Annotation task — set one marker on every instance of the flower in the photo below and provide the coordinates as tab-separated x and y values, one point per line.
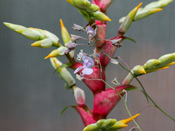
79	96
74	38
78	27
88	63
91	33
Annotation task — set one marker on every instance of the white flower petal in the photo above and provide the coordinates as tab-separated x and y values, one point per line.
78	69
87	71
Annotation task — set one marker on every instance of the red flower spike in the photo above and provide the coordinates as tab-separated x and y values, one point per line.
86	114
94	85
109	49
101	33
103	4
105	101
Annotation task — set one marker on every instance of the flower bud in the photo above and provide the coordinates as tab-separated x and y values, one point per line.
92	127
138	70
27	32
143	13
46	38
98	15
82	4
93	8
106	123
63	73
45	43
167	59
65	34
52	37
149	9
57	52
122	123
128	20
151	64
158	4
79	96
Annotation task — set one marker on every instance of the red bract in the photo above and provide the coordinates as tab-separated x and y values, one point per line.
86	114
103	4
105	101
93	80
95	85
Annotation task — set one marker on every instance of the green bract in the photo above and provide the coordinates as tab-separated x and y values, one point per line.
63	73
44	38
109	124
89	11
149	9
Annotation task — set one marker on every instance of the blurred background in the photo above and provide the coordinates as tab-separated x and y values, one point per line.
32	96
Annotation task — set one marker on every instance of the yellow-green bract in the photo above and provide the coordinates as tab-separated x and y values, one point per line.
43	38
63	72
149	9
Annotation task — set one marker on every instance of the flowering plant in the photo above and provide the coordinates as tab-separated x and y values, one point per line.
90	68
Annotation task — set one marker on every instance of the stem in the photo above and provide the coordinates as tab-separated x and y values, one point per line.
158	107
143	89
71	60
148	97
127	109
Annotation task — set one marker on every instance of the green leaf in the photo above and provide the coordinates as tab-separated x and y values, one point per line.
128	38
63	66
65	108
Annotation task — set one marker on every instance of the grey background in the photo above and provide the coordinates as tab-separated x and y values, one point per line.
31	96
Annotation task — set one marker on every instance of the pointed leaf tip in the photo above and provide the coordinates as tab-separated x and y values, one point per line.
130	119
47	57
6	23
108	19
139	5
62	24
159	9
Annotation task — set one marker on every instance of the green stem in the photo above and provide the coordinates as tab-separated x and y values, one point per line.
158	107
143	89
127	109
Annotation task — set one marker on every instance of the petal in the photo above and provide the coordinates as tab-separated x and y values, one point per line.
87	71
78	69
88	59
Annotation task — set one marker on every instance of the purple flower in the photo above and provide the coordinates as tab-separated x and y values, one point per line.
88	63
74	38
78	27
70	45
90	31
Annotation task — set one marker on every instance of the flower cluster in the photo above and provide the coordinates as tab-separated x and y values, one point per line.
90	68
